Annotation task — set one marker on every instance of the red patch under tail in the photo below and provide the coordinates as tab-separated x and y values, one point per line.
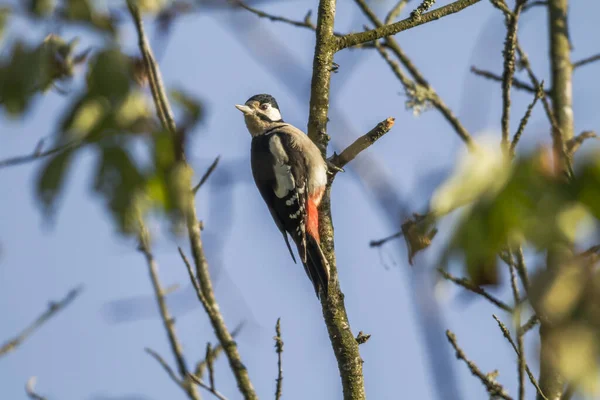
312	220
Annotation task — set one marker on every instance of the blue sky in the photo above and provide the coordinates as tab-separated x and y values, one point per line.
84	354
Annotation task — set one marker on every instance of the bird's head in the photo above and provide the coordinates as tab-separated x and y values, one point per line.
261	112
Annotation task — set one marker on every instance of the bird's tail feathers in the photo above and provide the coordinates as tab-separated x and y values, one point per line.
316	266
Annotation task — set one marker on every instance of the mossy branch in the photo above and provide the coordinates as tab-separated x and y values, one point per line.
408	23
344	345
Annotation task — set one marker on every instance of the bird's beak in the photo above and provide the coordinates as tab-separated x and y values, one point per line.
245	109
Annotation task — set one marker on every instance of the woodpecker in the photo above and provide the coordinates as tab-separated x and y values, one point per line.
290	175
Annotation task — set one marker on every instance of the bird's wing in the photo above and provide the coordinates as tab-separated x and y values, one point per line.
280	175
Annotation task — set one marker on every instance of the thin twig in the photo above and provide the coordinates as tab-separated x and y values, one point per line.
402	77
30	389
215	350
509	69
475	289
492	387
203	385
522	268
165	114
585	61
53	309
559	145
210	365
306	23
408	23
362	143
516	83
206	175
432	96
193	278
530	324
381	242
525	120
521	364
574	143
279	351
167	320
38	153
521	355
395	11
172	374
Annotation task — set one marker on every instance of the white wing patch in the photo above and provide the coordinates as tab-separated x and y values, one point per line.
283	172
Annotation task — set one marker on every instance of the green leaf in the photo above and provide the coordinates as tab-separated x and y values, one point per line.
41	8
110	75
51	180
83	11
121	184
84	117
19	78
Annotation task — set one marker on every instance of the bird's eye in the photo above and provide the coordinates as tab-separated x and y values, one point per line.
264	106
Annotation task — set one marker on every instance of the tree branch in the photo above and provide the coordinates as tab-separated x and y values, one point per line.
334	311
279	351
465	283
551	380
574	143
203	277
561	90
516	83
408	84
38	153
509	69
216	350
206	175
521	356
561	156
168	321
53	308
525	120
586	61
203	385
306	23
362	143
165	365
492	387
408	23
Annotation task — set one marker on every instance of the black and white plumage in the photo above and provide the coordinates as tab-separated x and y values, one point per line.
291	175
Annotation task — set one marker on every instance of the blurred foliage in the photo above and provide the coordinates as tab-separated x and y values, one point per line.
506	204
568	298
28	70
528	203
111	115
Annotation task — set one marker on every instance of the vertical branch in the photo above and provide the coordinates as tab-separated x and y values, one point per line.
509	69
278	350
325	47
551	381
203	283
344	345
562	70
168	321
